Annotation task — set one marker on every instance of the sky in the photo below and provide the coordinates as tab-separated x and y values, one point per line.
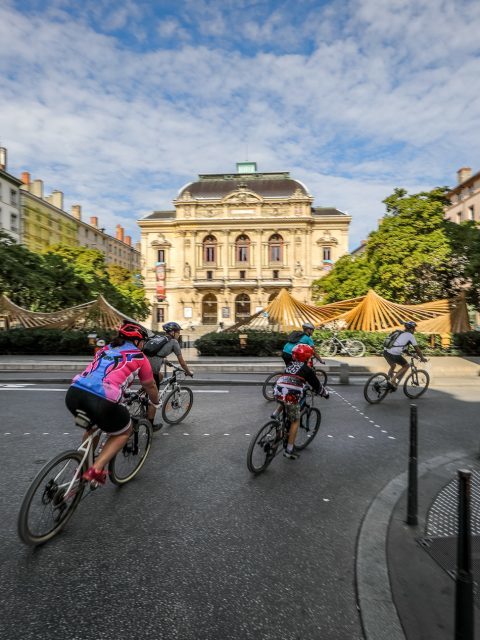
120	104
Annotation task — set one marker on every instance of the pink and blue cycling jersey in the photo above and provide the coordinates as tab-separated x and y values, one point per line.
113	370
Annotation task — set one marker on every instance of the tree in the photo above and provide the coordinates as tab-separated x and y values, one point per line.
414	256
349	278
66	276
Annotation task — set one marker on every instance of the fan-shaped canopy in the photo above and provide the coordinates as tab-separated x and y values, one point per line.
97	313
365	313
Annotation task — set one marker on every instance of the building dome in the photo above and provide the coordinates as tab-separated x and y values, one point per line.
266	185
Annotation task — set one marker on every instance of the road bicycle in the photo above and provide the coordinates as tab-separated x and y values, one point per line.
272	437
378	385
271	380
175	399
58	488
331	346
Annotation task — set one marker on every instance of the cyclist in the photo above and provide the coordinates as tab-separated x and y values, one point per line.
167	344
400	341
300	337
98	391
290	390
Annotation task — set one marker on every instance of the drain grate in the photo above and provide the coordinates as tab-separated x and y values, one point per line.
441	529
442	517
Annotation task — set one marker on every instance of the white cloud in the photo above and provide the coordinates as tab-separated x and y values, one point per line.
384	95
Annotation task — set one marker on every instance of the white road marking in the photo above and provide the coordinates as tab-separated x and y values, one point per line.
326	499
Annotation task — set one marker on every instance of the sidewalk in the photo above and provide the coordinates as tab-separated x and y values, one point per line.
405	574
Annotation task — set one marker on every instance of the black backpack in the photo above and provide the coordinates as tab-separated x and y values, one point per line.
295	336
390	340
153	346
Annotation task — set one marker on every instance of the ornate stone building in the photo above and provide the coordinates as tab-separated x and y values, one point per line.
232	242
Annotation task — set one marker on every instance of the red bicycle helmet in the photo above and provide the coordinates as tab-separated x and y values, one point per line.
132	331
302	352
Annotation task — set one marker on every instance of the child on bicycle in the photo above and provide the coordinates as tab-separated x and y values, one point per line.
400	341
98	392
290	389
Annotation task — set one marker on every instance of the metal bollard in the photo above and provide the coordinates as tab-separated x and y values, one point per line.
464	620
412	504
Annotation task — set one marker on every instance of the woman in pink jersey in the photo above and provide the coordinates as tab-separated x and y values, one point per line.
98	391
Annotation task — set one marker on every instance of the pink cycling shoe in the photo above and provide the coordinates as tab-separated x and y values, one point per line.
94	475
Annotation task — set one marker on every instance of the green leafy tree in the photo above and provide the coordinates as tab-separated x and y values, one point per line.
415	255
349	278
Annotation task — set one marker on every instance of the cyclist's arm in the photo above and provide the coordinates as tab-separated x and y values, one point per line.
184	365
318	357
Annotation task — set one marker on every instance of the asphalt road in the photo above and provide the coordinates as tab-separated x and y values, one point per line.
195	548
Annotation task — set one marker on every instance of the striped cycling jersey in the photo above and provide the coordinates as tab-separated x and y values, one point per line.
113	370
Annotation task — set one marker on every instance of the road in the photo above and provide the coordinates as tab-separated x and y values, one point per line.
196	548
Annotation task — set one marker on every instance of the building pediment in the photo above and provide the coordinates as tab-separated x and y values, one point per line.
327	238
242	195
160	241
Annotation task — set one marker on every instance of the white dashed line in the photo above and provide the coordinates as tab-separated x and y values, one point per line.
391	438
329	436
372	437
206	434
326	499
351	436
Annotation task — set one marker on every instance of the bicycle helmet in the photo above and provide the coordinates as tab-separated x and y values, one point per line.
302	352
171	326
132	331
308	325
410	324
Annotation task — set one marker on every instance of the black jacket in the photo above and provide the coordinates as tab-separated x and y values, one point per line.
302	370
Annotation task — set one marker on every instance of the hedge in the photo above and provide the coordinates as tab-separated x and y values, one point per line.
48	341
266	343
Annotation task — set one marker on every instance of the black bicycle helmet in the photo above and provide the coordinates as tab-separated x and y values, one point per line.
171	326
409	324
308	325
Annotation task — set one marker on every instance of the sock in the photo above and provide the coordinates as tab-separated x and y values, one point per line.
289	448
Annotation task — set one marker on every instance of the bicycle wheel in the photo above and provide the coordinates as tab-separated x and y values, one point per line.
263	447
416	383
308	427
322	376
376	388
328	348
128	462
355	348
177	405
51	499
269	385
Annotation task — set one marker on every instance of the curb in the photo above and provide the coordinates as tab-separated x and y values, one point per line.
374	595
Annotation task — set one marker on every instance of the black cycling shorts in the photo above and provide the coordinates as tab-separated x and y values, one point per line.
392	359
108	416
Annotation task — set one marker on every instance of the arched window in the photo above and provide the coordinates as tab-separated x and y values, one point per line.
242	307
242	248
209	309
210	249
275	248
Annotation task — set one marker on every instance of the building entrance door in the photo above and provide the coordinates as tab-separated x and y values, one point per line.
209	309
242	307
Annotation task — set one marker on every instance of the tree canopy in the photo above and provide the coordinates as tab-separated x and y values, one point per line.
414	256
65	276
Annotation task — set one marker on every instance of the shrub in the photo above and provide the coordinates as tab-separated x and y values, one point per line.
468	343
259	343
48	341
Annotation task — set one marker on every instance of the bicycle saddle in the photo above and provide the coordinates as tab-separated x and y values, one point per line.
82	420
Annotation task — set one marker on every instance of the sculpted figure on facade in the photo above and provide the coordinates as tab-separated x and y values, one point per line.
298	269
187	271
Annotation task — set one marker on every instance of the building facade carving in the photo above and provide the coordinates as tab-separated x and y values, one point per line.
232	242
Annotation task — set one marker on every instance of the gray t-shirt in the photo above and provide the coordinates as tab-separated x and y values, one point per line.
172	346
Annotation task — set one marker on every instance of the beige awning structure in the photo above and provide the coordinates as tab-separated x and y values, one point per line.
97	313
365	313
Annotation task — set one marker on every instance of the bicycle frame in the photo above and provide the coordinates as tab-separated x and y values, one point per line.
86	449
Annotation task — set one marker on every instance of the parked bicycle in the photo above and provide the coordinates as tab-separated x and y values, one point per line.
271	380
416	383
272	437
333	345
58	488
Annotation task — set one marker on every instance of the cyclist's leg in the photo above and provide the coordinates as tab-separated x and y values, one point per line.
404	366
293	413
115	442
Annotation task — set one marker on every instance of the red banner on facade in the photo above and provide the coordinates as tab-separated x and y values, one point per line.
160	271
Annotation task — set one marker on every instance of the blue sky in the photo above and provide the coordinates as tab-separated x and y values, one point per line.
119	104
